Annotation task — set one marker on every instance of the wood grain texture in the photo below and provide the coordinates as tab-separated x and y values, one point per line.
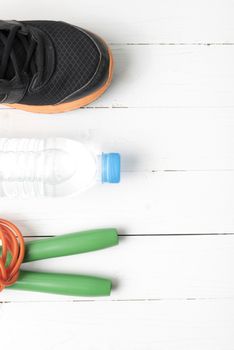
155	268
121	21
170	76
169	325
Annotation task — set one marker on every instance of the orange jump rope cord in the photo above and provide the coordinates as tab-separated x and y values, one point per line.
13	243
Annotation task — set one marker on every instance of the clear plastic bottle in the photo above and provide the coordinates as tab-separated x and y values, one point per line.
52	167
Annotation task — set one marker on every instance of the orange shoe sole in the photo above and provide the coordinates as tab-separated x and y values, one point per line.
68	106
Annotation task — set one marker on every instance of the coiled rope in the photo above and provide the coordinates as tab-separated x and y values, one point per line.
13	244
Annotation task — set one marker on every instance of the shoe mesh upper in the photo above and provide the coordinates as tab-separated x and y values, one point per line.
77	59
21	57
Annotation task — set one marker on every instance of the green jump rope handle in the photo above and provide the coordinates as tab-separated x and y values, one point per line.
69	244
58	283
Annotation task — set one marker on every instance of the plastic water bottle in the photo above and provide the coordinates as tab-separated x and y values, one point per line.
52	167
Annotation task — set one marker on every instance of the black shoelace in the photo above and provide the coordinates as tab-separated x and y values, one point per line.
33	60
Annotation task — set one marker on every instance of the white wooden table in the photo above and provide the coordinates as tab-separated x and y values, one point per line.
170	112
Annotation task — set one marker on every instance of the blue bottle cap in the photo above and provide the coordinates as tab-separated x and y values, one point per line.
111	167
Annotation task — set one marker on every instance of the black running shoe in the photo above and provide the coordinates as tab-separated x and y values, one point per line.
51	67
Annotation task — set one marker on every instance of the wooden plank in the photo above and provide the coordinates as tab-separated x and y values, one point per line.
156	203
145	268
148	139
171	76
121	21
126	325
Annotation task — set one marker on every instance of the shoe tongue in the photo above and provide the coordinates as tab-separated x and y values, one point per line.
20	55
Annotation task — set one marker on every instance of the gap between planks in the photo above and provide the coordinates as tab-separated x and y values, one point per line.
150	300
150	235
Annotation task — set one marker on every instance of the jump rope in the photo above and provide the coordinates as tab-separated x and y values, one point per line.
15	251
